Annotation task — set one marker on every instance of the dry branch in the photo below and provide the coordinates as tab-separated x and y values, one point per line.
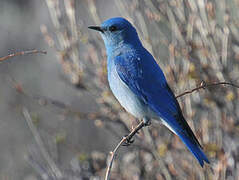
204	85
123	140
21	53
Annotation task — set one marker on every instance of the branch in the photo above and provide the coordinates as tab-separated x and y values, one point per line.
203	85
21	53
113	153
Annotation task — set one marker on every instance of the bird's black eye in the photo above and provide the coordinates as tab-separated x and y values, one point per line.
112	28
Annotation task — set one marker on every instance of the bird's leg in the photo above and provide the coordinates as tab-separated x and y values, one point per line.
147	121
132	128
128	140
133	123
129	137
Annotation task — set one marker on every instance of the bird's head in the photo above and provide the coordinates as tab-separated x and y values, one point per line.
117	31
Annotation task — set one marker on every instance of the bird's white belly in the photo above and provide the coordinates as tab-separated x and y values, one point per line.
126	97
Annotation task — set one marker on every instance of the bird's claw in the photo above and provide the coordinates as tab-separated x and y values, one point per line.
128	141
148	123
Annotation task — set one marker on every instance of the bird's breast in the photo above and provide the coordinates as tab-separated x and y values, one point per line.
132	103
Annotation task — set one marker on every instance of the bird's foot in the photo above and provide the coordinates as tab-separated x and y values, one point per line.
147	123
128	141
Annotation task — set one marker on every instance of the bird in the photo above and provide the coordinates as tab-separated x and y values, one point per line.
139	84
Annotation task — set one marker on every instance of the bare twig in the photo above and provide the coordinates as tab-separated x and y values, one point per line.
21	53
113	153
203	85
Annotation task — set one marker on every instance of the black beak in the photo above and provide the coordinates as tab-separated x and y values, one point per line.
97	28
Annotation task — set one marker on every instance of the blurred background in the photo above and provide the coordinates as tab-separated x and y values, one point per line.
58	118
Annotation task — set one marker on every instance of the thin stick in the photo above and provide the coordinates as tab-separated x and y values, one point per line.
21	53
203	85
113	153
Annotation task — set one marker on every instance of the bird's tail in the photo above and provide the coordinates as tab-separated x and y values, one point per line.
195	148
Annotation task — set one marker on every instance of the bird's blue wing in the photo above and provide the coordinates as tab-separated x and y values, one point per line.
145	78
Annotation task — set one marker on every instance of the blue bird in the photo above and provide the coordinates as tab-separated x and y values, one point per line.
139	84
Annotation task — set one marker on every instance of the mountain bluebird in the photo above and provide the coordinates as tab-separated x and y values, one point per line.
139	84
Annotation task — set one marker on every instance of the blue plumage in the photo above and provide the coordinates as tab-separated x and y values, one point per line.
139	84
